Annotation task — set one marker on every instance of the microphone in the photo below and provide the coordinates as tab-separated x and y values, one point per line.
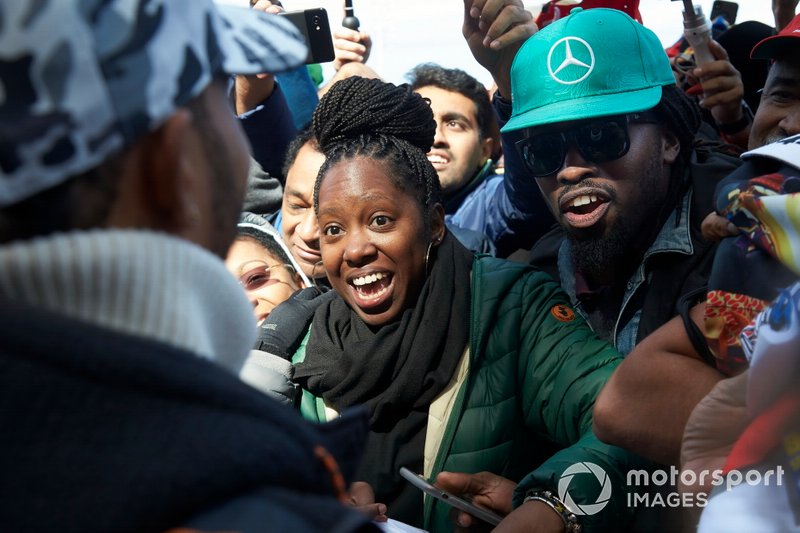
697	32
350	21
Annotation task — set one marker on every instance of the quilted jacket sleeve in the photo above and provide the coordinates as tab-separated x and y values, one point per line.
563	366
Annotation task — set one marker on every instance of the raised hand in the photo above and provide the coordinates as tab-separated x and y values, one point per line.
495	31
351	46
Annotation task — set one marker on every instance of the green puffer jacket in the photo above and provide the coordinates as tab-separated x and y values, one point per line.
525	407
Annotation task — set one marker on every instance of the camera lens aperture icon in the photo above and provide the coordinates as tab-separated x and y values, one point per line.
583	469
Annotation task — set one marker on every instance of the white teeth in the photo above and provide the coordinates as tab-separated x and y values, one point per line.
374	295
582	200
366	280
437	159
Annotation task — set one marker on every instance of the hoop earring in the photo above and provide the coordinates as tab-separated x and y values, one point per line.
427	257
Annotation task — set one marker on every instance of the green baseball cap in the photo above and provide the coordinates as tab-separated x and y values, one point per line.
592	63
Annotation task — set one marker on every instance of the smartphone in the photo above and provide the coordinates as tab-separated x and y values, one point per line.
313	24
450	499
726	10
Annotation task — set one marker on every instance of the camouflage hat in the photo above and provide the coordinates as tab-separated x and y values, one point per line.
81	79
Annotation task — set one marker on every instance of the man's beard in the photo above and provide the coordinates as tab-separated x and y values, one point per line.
596	256
617	252
773	138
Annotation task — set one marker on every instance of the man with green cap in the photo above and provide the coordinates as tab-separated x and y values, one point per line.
598	125
599	128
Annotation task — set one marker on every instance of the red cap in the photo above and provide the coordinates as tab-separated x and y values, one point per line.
772	46
557	9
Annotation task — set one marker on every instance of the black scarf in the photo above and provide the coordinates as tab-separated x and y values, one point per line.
396	371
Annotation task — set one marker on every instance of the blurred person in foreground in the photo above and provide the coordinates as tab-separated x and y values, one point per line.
123	173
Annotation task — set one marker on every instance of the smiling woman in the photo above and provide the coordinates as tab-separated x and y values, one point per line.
462	361
265	269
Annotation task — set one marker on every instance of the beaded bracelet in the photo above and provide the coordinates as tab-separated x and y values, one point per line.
569	518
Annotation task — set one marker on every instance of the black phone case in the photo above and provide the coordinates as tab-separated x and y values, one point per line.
727	10
313	24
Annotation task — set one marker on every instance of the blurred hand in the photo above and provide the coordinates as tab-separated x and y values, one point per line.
268	6
716	228
351	46
713	428
783	11
483	489
251	91
495	31
362	497
495	493
282	331
723	89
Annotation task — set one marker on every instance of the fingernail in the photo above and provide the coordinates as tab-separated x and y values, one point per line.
487	41
474	12
732	227
462	520
482	26
381	509
494	45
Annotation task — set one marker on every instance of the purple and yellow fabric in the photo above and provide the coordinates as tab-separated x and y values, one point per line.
762	199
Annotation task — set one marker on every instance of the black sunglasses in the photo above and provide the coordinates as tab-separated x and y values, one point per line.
598	141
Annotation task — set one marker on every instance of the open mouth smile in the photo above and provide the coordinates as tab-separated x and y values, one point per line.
371	290
438	160
585	207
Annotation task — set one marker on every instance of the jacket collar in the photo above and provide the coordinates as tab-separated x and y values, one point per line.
673	237
452	203
143	283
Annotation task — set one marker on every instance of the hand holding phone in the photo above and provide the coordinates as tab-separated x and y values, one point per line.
450	499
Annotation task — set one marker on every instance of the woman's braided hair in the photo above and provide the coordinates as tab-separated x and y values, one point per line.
360	117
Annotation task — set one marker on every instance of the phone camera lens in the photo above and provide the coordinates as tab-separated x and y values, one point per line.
316	21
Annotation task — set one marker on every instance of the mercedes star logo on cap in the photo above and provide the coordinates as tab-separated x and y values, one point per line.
564	46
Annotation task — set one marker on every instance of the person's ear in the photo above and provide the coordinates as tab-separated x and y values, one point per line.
171	177
149	186
437	224
671	146
487	147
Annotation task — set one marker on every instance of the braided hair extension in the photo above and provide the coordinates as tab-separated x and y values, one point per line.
360	117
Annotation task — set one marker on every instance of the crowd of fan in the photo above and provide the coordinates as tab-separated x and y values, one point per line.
233	298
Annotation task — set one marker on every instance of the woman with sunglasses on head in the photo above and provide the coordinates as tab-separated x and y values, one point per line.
465	363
